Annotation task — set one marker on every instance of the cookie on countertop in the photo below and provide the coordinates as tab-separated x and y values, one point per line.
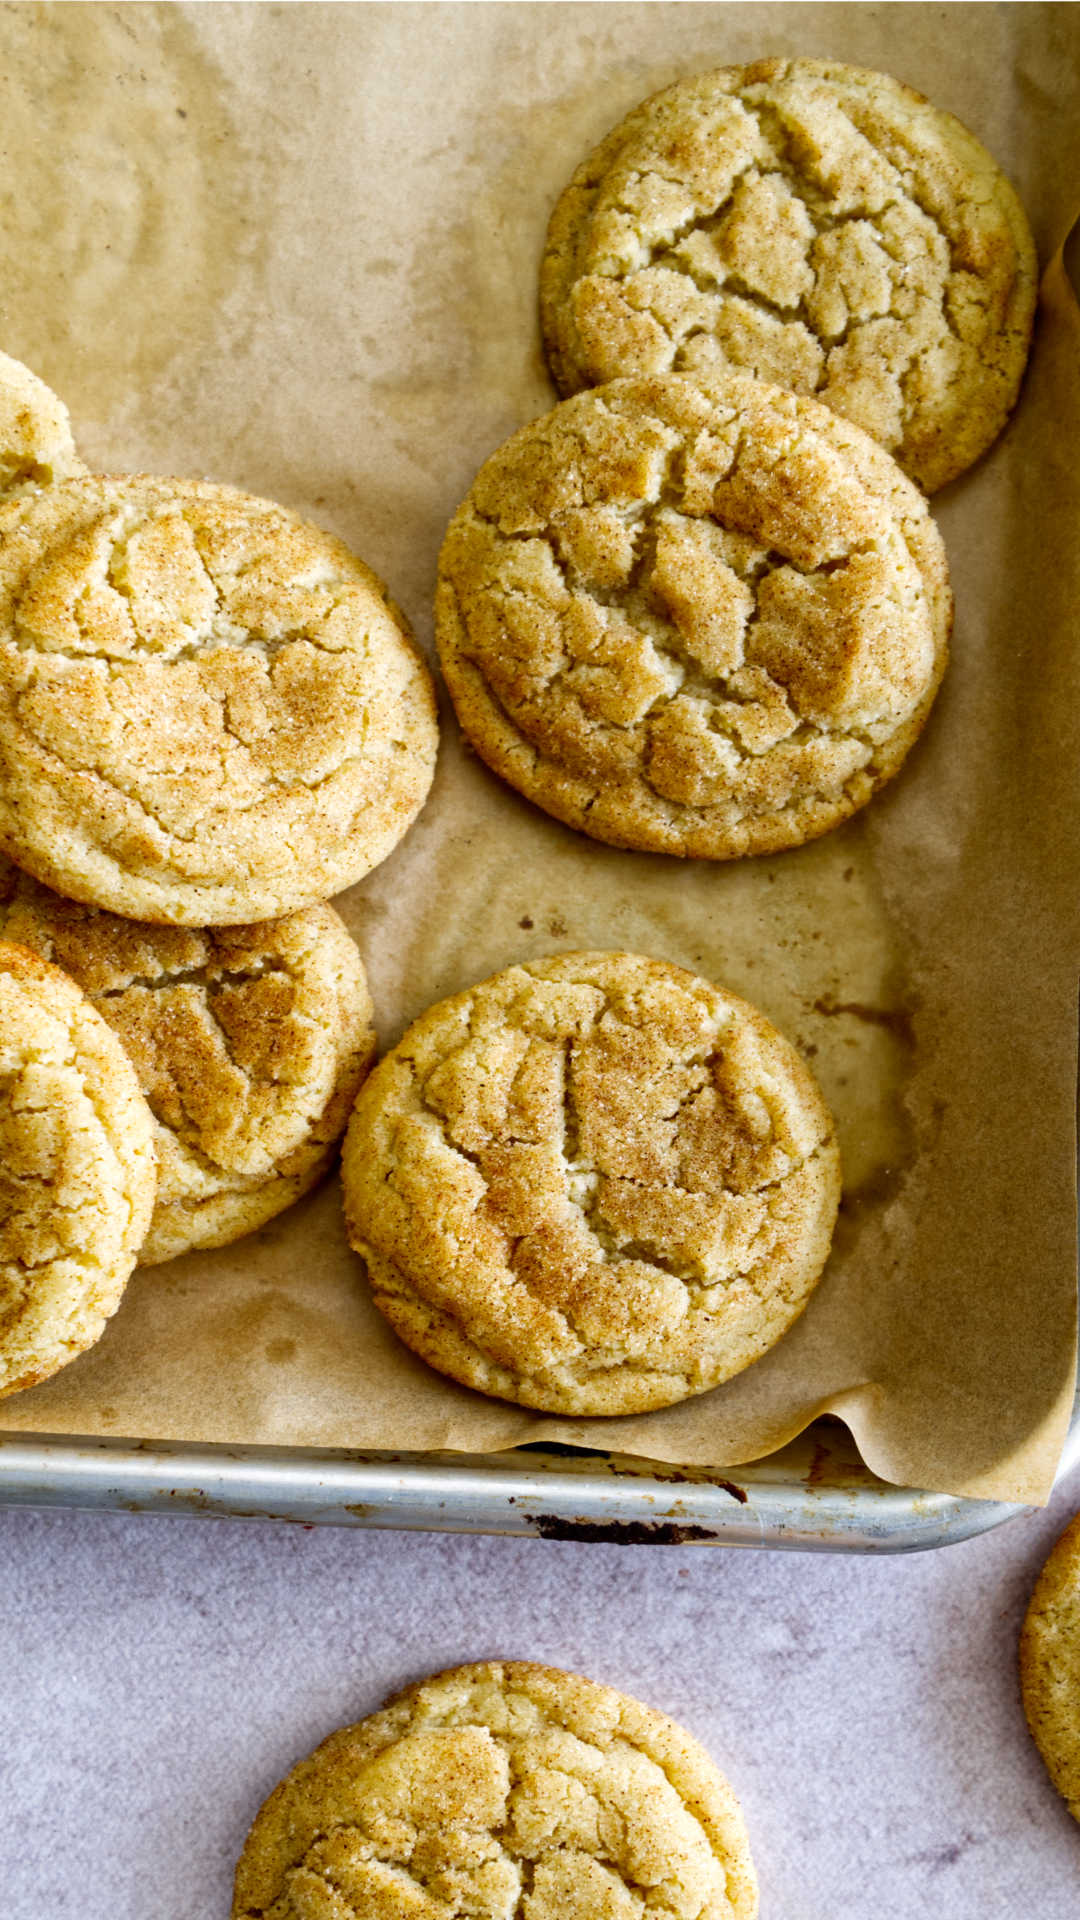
250	1044
210	713
705	618
1050	1665
817	224
593	1184
36	448
77	1170
503	1791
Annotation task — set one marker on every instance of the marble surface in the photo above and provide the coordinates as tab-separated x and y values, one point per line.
160	1674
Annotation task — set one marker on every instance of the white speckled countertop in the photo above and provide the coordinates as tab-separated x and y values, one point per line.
159	1675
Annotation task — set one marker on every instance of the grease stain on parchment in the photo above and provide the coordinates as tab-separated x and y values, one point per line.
123	216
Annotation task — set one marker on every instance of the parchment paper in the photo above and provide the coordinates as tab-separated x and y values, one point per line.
295	248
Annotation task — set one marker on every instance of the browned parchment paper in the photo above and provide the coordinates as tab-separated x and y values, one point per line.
295	248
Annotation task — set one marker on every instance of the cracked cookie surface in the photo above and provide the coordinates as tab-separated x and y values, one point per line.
1050	1665
77	1170
705	618
502	1791
595	1184
250	1044
209	711
820	225
36	448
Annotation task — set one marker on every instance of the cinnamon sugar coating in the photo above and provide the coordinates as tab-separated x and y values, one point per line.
77	1170
817	224
36	448
700	618
250	1044
593	1184
504	1791
210	713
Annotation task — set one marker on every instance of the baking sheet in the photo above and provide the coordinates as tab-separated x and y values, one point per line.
295	248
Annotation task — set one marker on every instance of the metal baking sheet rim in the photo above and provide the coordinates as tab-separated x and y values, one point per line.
814	1495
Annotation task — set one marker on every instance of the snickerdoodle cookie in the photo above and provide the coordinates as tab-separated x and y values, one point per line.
77	1170
250	1044
1050	1665
701	618
593	1184
36	448
501	1791
209	711
814	223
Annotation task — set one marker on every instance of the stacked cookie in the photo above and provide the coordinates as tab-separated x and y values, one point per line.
211	718
77	1170
701	608
702	618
